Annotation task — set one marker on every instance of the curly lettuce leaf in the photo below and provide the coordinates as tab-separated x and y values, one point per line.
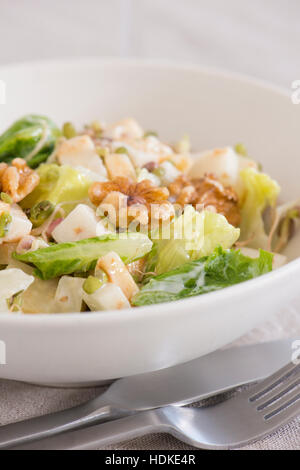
189	237
211	273
258	191
81	256
32	137
58	184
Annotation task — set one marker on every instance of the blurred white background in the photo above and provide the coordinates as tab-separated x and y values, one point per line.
258	37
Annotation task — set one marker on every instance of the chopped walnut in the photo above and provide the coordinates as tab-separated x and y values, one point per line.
209	193
18	180
138	197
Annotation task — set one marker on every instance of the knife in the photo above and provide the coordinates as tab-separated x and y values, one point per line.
180	385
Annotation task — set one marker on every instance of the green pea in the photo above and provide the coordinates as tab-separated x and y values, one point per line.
241	150
121	150
160	172
6	198
69	130
150	134
5	220
97	128
91	285
40	212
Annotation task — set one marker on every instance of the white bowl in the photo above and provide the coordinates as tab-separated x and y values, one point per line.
216	109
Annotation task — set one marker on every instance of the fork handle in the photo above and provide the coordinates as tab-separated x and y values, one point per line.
14	434
101	435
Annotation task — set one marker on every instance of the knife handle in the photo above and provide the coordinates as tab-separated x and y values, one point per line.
102	435
97	410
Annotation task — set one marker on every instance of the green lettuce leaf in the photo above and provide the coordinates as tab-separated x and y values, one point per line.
217	271
22	139
58	184
189	237
81	256
258	191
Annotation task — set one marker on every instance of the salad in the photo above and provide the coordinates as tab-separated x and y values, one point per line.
110	217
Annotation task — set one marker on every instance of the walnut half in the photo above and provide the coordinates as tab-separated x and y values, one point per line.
18	180
207	192
140	201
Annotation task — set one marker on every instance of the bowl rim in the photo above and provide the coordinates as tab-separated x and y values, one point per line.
170	308
68	61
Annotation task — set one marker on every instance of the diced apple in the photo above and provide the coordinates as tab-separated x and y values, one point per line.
108	297
39	297
119	165
144	174
118	273
169	173
90	175
19	227
146	150
182	162
12	281
69	294
126	128
80	224
225	163
114	206
80	152
138	156
16	264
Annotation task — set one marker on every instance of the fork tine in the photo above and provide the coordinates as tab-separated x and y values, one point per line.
273	381
280	393
284	410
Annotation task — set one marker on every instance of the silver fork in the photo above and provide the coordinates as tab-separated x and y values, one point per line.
250	415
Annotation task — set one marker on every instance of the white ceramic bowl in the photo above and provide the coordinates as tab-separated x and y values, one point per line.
216	109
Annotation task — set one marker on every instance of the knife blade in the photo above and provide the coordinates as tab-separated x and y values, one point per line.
201	378
180	385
